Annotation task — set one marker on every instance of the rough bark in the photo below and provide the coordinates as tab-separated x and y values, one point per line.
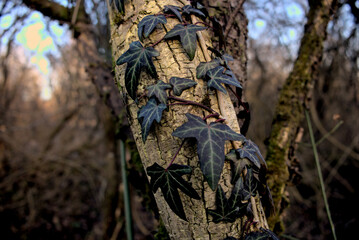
161	145
289	111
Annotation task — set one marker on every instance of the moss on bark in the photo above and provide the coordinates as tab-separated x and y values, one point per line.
289	111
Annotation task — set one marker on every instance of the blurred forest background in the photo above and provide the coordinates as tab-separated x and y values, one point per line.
59	151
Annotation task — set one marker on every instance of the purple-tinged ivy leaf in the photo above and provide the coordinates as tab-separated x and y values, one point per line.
137	58
159	90
251	151
180	84
187	35
175	10
170	180
216	77
210	144
188	10
148	113
148	24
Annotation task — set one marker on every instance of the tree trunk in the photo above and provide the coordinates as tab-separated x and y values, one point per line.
161	145
295	93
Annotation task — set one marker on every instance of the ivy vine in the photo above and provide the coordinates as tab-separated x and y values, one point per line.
248	164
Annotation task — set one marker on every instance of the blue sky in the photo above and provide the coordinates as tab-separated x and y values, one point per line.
38	41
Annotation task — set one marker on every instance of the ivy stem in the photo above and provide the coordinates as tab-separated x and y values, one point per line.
157	42
174	157
239	99
188	102
216	115
168	15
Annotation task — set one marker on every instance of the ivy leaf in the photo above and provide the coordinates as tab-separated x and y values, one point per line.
210	144
247	151
250	186
147	114
237	163
265	235
216	77
187	36
148	24
159	90
180	84
137	58
235	200
175	10
251	145
120	5
270	233
170	180
257	236
188	9
224	212
203	67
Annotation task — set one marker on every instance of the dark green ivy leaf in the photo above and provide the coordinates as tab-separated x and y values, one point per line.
237	163
264	235
257	236
270	233
203	67
254	148
224	212
188	9
249	151
159	90
235	200
148	24
137	58
210	144
175	10
120	5
180	84
147	114
216	76
250	186
187	34
170	180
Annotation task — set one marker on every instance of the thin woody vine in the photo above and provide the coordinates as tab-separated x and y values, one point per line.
248	165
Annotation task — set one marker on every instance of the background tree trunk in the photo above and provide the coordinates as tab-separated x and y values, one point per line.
160	145
295	93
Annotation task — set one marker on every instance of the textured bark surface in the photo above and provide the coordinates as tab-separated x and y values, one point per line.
289	111
160	145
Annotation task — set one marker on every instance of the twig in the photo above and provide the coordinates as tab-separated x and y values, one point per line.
331	139
322	186
231	18
329	133
76	12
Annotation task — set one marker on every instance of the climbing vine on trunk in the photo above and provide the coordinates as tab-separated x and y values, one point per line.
209	131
